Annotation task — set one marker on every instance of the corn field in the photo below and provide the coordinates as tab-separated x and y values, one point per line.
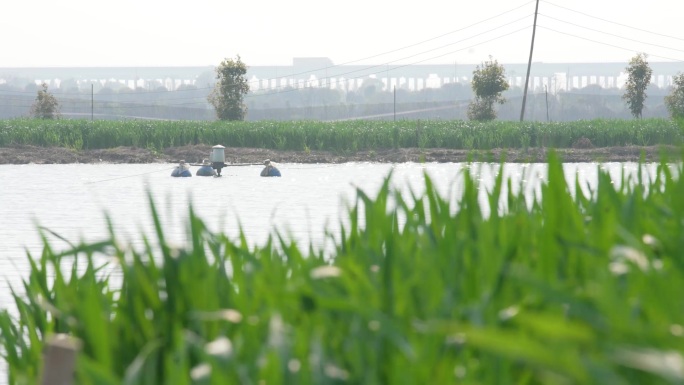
346	136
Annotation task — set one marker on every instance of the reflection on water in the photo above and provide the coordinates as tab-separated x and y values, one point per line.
73	200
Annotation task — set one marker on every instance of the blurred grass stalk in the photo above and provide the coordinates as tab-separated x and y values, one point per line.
571	289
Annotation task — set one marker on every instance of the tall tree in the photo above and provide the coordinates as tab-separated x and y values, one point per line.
227	97
639	77
675	100
489	81
46	105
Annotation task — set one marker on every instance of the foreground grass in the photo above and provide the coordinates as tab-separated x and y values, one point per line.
339	136
581	289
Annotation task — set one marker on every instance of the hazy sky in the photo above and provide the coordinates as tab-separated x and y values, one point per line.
40	33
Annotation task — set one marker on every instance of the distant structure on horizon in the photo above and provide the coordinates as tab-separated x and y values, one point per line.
322	72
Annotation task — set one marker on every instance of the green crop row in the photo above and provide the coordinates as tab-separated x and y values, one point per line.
338	136
578	288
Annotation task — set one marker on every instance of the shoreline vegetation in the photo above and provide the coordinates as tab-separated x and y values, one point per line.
237	155
576	288
25	141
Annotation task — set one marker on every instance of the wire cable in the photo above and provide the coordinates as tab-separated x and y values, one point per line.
608	44
611	34
408	64
431	50
613	22
405	47
289	76
130	176
326	81
201	100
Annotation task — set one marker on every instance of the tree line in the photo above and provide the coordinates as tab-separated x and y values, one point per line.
231	99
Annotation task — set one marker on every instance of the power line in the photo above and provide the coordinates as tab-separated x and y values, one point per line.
612	34
372	56
117	93
134	92
404	47
608	44
613	22
326	81
404	65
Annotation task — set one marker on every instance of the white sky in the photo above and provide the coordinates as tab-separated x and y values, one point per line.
75	33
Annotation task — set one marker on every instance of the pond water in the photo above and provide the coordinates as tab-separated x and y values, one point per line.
73	200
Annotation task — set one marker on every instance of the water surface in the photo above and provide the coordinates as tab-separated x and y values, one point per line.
73	200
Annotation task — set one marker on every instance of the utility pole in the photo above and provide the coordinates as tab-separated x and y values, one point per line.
395	103
92	98
529	63
546	93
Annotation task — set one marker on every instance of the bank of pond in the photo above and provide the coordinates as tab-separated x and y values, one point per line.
576	288
342	136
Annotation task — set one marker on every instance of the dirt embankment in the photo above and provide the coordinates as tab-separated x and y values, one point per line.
195	154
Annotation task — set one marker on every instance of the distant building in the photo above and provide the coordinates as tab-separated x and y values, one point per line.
312	63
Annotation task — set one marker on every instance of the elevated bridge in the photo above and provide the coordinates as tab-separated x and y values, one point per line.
321	72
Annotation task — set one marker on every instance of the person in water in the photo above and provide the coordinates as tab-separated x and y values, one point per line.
206	169
182	170
269	169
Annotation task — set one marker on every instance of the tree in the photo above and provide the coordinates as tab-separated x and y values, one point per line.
675	100
46	105
489	81
69	86
227	95
639	77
